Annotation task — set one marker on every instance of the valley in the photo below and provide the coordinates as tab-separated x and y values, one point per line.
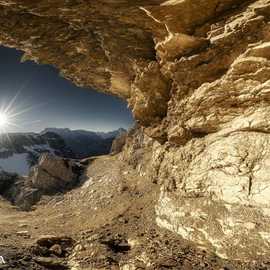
20	151
187	187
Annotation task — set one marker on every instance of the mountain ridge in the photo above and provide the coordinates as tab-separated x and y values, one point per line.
101	133
20	151
84	143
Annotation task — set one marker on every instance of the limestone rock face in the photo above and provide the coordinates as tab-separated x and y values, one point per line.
52	174
196	75
119	143
153	53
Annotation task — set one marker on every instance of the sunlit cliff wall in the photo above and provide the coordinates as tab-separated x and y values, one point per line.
196	74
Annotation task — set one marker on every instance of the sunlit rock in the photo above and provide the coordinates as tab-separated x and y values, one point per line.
53	173
196	76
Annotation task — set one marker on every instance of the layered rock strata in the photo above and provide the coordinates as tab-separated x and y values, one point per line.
196	76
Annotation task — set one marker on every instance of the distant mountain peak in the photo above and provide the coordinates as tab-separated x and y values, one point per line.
56	130
102	134
85	143
19	151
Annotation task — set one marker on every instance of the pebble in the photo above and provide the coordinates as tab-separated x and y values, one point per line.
56	249
24	234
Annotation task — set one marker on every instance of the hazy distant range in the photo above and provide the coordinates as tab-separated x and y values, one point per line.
20	151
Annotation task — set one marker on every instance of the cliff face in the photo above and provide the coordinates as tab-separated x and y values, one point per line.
196	75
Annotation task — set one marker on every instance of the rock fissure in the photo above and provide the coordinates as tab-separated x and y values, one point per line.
196	77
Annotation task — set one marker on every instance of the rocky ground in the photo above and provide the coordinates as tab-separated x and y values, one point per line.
108	222
195	74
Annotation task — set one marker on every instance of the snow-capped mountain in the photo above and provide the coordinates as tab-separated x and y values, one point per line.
20	151
86	143
111	134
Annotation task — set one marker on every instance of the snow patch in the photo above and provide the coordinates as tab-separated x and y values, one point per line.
3	149
39	148
17	163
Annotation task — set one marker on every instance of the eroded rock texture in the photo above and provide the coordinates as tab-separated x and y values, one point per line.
53	174
196	75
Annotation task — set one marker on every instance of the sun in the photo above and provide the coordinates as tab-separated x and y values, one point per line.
3	120
10	113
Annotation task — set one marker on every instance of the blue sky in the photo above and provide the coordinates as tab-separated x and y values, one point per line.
52	101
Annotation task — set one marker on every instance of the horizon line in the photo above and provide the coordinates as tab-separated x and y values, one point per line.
62	128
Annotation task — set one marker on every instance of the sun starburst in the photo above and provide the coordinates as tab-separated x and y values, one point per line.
4	120
9	115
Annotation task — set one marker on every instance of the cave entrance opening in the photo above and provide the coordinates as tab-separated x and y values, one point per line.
44	112
49	128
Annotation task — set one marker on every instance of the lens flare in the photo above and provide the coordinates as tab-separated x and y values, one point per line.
10	115
4	120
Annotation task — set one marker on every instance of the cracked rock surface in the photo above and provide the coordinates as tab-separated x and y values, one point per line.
196	75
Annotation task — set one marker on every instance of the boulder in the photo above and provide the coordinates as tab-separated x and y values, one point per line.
51	245
27	197
53	174
51	263
118	143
